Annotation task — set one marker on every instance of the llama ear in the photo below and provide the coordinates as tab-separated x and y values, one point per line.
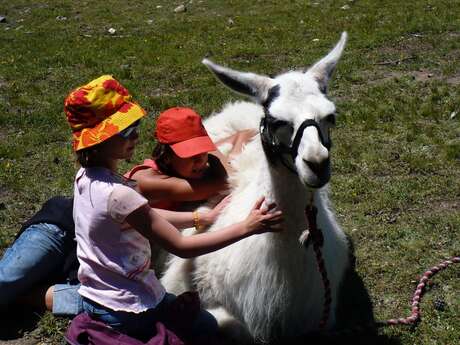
249	84
323	69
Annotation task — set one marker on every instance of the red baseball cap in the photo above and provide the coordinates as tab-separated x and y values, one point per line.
182	129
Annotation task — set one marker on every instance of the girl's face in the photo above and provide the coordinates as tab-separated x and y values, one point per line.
193	167
118	147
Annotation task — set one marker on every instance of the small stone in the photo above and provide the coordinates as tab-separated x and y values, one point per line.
159	6
453	114
150	21
2	19
61	18
315	40
446	288
180	8
230	21
112	31
439	304
345	7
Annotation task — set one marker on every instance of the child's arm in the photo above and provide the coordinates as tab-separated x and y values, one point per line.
157	229
162	187
182	220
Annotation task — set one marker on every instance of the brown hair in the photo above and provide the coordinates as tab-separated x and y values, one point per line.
87	157
160	154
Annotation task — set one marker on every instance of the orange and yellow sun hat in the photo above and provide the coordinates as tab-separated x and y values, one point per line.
99	110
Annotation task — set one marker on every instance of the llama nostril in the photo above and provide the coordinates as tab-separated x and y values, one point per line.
315	167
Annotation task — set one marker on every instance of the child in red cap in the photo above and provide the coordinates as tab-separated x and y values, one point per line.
185	164
114	225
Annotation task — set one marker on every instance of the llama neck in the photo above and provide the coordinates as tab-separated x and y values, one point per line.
279	184
287	188
291	196
274	181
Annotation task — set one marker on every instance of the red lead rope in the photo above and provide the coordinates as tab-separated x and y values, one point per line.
315	235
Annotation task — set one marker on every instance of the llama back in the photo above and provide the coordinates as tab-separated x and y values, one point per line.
234	117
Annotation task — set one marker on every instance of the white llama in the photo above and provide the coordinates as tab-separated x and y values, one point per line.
268	287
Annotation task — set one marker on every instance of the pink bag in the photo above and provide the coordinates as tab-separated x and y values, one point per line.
83	330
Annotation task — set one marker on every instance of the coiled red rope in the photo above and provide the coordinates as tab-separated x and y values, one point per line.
420	290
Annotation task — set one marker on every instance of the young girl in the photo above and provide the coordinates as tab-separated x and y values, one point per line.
167	180
114	225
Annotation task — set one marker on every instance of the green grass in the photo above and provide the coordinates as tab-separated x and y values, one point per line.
396	152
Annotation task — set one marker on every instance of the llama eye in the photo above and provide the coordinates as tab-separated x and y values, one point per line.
330	119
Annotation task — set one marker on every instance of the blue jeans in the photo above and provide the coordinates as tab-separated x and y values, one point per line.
142	325
33	259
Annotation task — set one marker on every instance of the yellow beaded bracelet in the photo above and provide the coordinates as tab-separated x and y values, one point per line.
196	220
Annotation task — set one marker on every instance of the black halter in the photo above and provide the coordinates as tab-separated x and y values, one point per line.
276	139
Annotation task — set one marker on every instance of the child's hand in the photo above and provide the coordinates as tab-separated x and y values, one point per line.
210	217
247	135
241	139
262	220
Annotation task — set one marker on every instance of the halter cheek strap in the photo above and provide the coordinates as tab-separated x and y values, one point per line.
274	149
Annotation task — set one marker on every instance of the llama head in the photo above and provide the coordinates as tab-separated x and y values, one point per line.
298	114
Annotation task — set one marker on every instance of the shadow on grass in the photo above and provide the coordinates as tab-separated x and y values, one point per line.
355	315
17	321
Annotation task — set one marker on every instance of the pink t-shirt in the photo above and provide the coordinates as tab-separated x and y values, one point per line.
114	258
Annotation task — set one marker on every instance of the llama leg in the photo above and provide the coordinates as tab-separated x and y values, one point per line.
177	278
232	330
